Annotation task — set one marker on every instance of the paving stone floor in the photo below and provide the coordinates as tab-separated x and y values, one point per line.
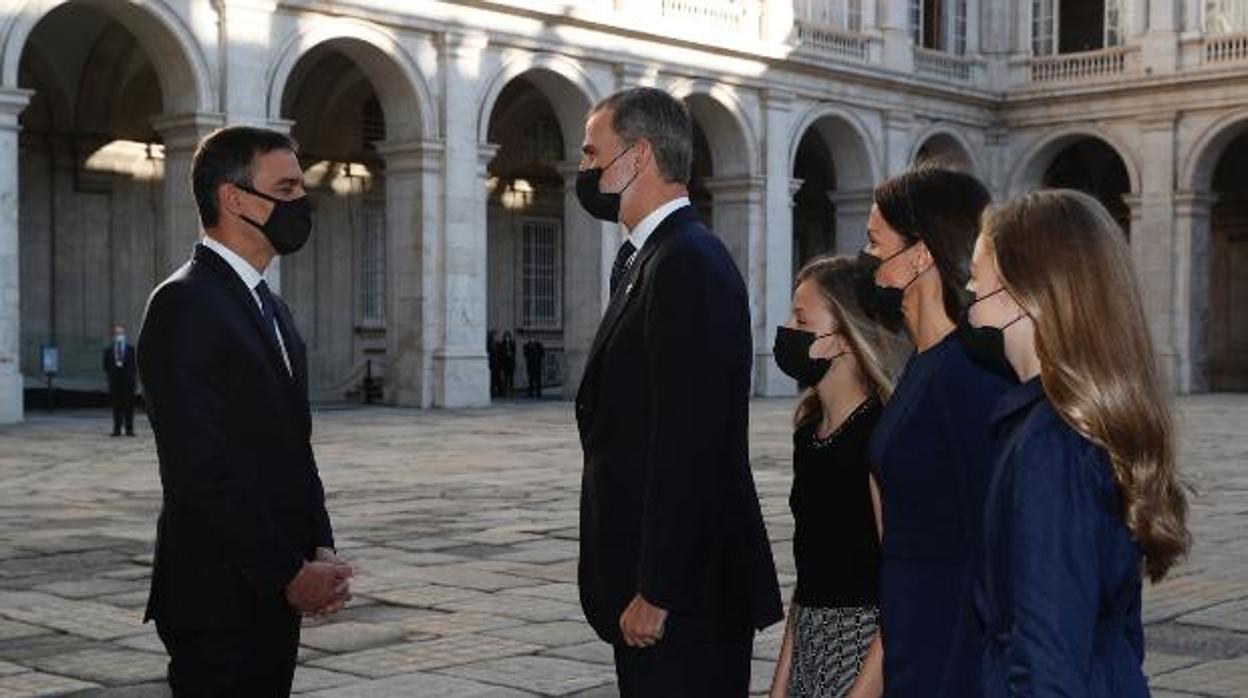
463	525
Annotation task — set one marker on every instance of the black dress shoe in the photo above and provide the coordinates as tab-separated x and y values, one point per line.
116	433
129	433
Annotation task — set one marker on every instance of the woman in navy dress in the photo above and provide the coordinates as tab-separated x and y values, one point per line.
930	452
1085	498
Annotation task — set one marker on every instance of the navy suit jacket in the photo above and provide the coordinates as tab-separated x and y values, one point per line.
1059	588
120	378
668	504
243	504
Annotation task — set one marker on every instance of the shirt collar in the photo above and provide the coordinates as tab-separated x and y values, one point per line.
1016	399
251	278
639	235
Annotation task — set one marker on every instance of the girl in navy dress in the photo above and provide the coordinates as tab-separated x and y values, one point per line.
930	452
1085	498
846	365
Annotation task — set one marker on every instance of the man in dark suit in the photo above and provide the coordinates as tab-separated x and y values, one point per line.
534	362
121	369
675	568
243	544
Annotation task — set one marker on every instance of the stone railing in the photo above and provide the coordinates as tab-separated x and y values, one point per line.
732	16
1226	48
1085	65
946	66
824	41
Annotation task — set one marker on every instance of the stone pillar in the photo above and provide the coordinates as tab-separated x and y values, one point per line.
12	103
897	128
771	307
852	210
245	40
1161	39
587	242
180	226
460	363
1192	288
1152	238
413	215
898	37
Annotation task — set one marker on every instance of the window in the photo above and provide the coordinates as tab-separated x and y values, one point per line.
1226	16
845	15
939	25
541	282
1044	27
1117	22
373	265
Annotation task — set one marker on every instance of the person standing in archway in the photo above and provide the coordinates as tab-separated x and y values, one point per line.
121	369
244	544
675	567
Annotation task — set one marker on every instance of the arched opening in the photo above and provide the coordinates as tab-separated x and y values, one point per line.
543	252
93	206
720	187
336	286
1228	260
943	150
1092	166
832	181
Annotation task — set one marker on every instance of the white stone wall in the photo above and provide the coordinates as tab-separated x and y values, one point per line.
1167	103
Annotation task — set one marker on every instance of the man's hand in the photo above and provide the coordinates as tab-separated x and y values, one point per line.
339	602
642	623
319	585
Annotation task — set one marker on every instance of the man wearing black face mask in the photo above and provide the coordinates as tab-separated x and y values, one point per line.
244	544
675	567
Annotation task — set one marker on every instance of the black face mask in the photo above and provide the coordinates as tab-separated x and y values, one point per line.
882	303
289	224
601	205
792	353
986	345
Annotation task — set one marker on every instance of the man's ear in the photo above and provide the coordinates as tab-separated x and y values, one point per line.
228	198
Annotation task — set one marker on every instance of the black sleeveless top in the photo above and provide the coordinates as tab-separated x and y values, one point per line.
835	545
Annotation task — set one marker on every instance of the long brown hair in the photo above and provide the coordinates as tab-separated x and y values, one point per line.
877	350
1063	258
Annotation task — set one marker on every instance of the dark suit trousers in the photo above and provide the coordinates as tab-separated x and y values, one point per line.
251	661
690	661
123	411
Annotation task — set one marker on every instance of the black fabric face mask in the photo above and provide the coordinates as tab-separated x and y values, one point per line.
289	224
986	345
792	354
601	205
882	303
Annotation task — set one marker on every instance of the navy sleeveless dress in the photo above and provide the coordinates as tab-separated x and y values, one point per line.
932	457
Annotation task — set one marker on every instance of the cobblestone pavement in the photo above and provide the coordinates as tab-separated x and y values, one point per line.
464	526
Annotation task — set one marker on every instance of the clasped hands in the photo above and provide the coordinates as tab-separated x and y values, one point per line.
642	623
321	587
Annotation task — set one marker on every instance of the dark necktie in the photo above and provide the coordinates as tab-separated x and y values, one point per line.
268	312
621	263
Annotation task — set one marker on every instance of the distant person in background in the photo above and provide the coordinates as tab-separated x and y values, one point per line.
121	369
492	350
534	359
507	361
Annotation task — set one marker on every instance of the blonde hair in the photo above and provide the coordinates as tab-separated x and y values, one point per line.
879	352
1064	259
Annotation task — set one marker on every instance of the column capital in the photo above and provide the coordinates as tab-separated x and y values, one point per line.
1159	121
1194	203
406	157
460	43
185	131
777	99
795	185
486	153
634	75
853	201
899	120
13	101
738	187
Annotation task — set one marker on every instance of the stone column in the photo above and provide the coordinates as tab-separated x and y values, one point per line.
413	215
897	128
1160	34
460	363
852	210
180	226
771	308
245	40
898	37
1152	238
12	103
587	242
1192	288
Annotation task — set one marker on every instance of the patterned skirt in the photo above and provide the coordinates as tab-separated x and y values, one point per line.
829	645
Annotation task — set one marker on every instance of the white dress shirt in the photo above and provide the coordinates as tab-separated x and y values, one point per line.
639	235
251	278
